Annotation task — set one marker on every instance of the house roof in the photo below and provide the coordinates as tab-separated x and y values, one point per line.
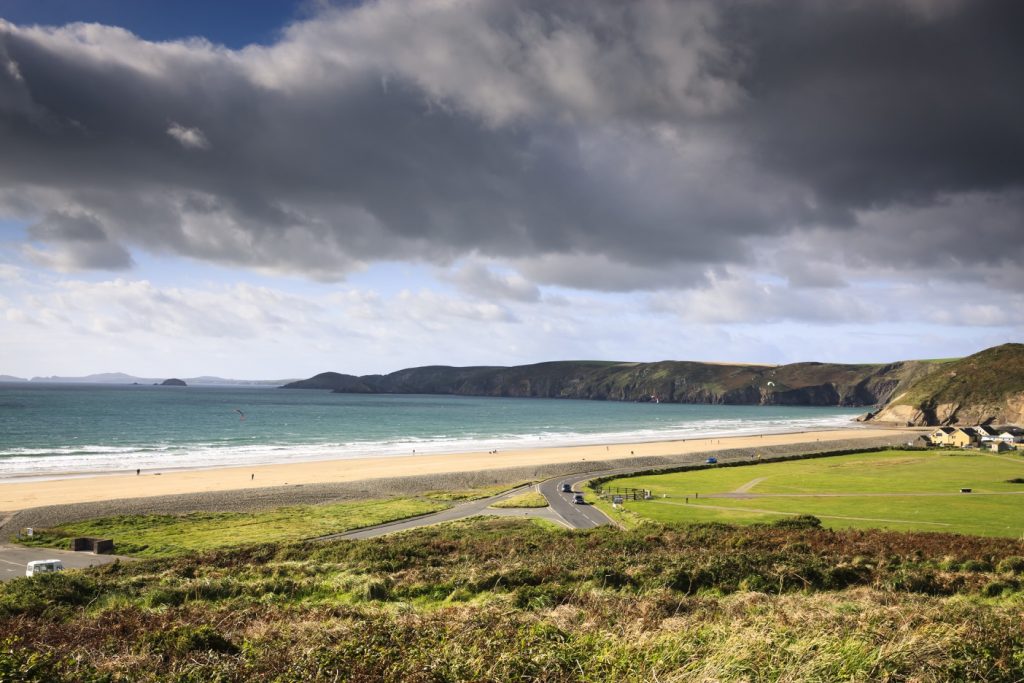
945	430
986	430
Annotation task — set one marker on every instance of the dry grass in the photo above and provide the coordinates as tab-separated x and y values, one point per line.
501	600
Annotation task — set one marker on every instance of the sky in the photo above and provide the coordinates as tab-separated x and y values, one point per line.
271	189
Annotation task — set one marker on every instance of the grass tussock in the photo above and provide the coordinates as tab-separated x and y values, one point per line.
499	600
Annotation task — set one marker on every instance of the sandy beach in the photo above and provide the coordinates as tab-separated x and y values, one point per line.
20	495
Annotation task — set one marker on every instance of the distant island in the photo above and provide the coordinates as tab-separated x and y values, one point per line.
122	378
985	387
173	382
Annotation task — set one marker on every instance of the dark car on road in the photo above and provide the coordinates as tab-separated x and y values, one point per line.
577	499
711	461
566	488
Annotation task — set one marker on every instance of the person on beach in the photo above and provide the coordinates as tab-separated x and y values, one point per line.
137	472
252	477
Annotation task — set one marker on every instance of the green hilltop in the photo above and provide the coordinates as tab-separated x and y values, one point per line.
816	384
985	387
988	386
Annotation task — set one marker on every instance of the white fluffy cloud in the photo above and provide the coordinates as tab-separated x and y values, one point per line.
191	138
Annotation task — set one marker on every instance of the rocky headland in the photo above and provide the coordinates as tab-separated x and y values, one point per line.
985	387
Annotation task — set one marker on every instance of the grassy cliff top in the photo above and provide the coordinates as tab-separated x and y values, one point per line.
985	377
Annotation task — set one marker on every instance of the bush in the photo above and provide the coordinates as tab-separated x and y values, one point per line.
798	522
183	640
1011	565
612	578
994	589
26	665
42	593
976	566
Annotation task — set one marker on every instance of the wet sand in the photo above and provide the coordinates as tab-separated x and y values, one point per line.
20	495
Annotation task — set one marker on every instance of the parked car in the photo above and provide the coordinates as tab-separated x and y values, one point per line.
37	567
712	461
577	499
566	488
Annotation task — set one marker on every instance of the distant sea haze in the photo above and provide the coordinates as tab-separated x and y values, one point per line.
55	430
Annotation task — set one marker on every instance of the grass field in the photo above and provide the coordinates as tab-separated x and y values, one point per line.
900	490
530	499
170	535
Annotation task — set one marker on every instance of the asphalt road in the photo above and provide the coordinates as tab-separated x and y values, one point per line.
587	516
576	516
14	558
461	511
562	510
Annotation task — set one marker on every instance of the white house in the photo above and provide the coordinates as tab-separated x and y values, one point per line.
987	433
1011	436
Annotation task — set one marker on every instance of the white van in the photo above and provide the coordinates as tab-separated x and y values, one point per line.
36	567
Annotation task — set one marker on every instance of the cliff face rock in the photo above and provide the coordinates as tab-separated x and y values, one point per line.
979	389
803	384
988	386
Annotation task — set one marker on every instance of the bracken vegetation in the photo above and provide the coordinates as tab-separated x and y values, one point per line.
501	600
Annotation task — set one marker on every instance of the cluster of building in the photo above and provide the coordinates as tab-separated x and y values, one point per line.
980	436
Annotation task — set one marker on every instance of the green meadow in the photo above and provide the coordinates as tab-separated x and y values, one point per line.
172	535
899	490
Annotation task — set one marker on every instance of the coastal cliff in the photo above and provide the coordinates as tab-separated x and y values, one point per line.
797	384
987	387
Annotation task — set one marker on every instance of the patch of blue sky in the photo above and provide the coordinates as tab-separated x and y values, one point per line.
233	23
13	230
385	278
388	278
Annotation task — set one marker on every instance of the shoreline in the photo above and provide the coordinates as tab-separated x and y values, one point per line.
420	451
96	488
64	463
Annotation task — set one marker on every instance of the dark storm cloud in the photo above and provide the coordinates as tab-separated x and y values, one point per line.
76	242
873	102
638	135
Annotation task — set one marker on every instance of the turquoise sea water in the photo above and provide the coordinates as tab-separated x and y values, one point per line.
49	430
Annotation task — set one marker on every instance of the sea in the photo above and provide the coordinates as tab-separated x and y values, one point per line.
64	430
